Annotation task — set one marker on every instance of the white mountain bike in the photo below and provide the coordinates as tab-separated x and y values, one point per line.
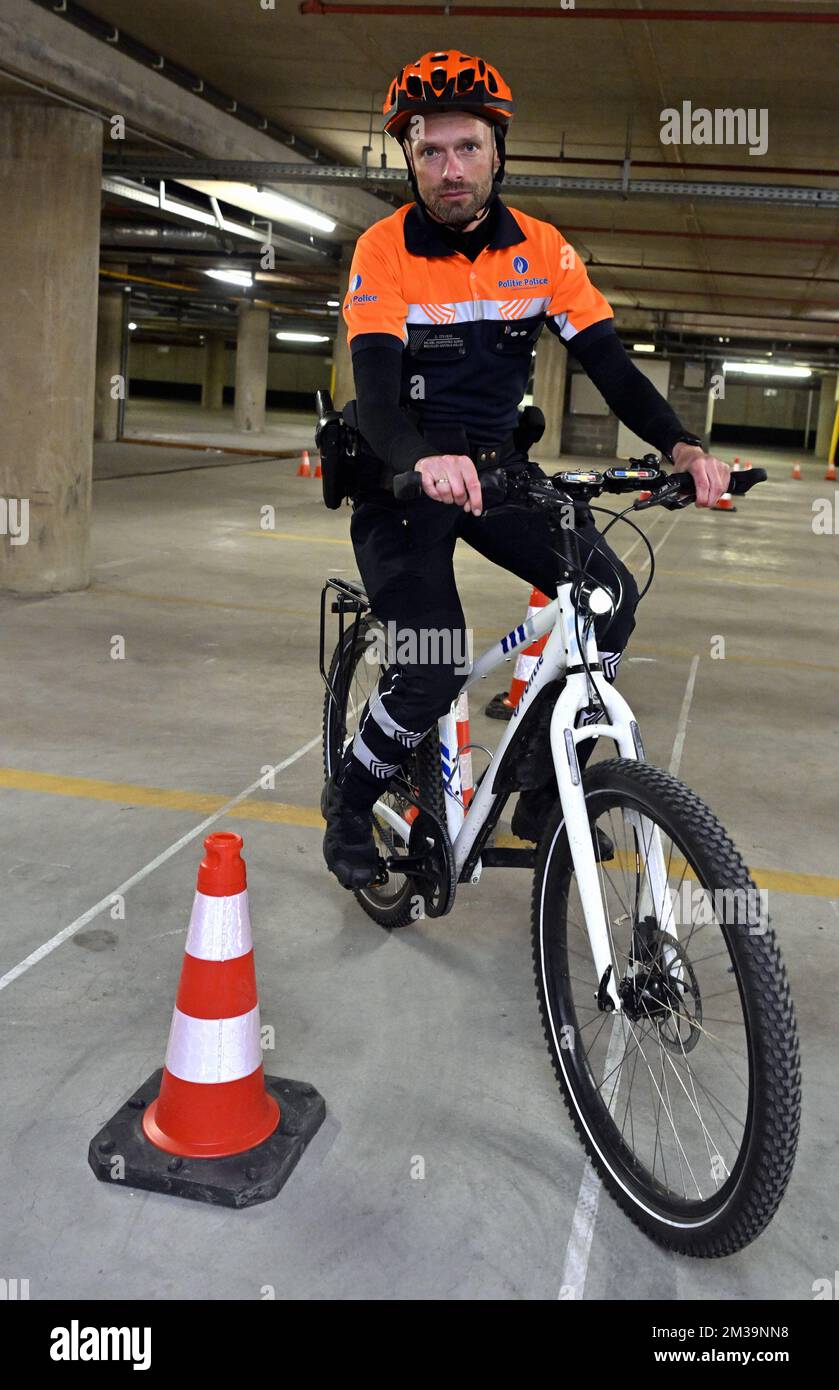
663	996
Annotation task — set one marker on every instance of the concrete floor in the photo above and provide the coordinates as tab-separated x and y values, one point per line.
426	1042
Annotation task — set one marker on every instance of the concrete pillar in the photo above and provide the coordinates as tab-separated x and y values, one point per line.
549	393
251	368
827	412
212	390
110	328
50	174
343	382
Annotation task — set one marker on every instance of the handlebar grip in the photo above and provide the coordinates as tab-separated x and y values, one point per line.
407	486
738	483
741	482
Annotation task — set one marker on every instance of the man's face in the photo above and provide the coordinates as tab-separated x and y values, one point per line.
455	160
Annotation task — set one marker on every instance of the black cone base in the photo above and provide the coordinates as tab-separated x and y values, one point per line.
497	708
239	1181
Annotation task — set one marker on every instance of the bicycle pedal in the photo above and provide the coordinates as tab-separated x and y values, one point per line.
382	873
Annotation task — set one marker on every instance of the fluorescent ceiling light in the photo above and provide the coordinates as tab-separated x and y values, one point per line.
333	303
304	337
765	369
643	347
263	202
132	326
232	277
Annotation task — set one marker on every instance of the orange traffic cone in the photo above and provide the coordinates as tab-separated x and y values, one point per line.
725	504
464	750
318	470
830	475
746	464
213	1100
501	706
796	470
211	1106
304	471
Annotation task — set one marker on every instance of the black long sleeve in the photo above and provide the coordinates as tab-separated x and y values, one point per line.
625	389
391	435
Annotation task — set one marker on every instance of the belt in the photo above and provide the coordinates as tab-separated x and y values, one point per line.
494	454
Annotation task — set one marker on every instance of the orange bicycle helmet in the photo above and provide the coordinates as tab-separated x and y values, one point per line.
447	81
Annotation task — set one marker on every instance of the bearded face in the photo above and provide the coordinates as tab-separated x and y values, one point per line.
454	160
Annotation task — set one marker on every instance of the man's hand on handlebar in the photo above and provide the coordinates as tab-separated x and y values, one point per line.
451	478
710	475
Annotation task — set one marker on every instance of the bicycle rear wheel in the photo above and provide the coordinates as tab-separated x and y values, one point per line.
687	1101
353	673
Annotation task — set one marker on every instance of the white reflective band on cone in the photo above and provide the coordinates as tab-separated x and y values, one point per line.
524	667
219	928
461	714
213	1049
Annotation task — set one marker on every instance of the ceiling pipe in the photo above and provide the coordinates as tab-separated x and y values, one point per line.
556	12
557	185
704	236
595	265
138	235
664	164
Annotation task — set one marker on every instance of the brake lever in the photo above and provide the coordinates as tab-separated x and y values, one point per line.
669	495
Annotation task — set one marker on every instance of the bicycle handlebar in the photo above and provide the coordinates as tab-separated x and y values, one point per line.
670	490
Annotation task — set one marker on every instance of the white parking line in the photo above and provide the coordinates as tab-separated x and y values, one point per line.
66	932
681	727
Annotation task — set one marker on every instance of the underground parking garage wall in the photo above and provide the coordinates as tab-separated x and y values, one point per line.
174	372
766	412
597	434
50	176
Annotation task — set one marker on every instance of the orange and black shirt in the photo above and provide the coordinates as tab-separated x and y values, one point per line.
467	329
442	326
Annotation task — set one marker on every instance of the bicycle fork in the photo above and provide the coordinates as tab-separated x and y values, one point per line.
622	728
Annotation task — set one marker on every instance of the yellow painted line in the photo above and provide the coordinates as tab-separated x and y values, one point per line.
282	813
292	536
161	798
774	880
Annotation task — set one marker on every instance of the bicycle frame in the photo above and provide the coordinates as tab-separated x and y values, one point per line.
560	657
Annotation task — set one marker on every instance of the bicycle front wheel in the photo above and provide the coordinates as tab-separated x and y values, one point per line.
687	1100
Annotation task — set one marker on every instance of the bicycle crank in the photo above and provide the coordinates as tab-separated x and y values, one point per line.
429	863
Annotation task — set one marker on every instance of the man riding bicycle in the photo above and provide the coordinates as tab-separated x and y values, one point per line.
446	300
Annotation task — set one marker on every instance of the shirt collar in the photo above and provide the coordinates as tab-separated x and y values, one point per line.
423	239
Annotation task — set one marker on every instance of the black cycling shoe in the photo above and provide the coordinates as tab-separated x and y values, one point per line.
348	845
531	814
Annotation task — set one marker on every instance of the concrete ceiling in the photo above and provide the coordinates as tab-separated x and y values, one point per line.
712	267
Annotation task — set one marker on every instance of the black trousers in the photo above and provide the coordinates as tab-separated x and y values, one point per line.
405	554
